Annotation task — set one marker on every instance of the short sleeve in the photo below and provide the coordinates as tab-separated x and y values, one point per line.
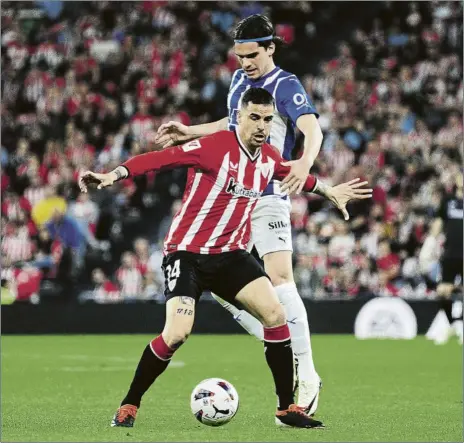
292	99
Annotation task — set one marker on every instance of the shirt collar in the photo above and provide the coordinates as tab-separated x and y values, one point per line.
252	157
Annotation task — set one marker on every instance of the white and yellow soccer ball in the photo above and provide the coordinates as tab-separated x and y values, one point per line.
214	402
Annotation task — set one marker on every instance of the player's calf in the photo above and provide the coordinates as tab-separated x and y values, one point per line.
156	357
278	266
259	298
154	361
279	357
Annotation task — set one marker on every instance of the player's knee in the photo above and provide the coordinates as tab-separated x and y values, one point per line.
279	276
274	316
174	339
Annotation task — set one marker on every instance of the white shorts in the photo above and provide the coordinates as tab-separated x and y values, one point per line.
271	230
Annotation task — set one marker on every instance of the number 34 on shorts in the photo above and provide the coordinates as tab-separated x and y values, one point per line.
180	275
172	273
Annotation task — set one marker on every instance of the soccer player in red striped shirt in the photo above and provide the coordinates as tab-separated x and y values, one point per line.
205	248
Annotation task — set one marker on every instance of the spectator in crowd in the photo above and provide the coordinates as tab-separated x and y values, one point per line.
388	263
48	254
142	254
104	291
65	229
129	277
23	283
85	212
429	257
16	244
341	244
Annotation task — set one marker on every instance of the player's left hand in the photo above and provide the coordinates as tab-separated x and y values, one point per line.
296	178
341	194
100	180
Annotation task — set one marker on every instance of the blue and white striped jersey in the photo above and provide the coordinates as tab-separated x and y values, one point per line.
291	102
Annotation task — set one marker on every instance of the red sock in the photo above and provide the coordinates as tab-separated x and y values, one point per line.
155	359
161	349
279	357
277	334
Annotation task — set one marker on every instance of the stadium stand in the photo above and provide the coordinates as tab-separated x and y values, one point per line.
85	85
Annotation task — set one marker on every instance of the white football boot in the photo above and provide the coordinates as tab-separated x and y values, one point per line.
308	395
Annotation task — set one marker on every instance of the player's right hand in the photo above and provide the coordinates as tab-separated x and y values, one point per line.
100	180
341	194
172	133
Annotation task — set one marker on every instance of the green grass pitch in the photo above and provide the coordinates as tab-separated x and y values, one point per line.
66	388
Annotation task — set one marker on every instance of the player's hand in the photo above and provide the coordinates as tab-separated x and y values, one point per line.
341	194
100	180
171	134
296	178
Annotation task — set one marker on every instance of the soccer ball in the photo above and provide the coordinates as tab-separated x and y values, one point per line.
214	402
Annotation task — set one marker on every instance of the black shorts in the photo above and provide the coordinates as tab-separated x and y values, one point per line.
188	274
452	270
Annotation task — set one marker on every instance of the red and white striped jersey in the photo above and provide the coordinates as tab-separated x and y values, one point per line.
35	85
341	160
34	194
223	186
130	281
17	247
141	125
50	52
12	207
18	54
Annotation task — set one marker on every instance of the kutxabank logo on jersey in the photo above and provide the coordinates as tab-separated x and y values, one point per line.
238	190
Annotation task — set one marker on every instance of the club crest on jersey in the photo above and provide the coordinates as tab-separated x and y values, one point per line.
237	190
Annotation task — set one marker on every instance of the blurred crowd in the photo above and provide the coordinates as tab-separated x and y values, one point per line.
85	85
391	111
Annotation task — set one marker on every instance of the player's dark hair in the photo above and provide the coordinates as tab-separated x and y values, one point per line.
257	26
257	96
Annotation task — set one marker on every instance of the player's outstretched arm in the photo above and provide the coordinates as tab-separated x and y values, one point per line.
174	133
341	194
187	155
